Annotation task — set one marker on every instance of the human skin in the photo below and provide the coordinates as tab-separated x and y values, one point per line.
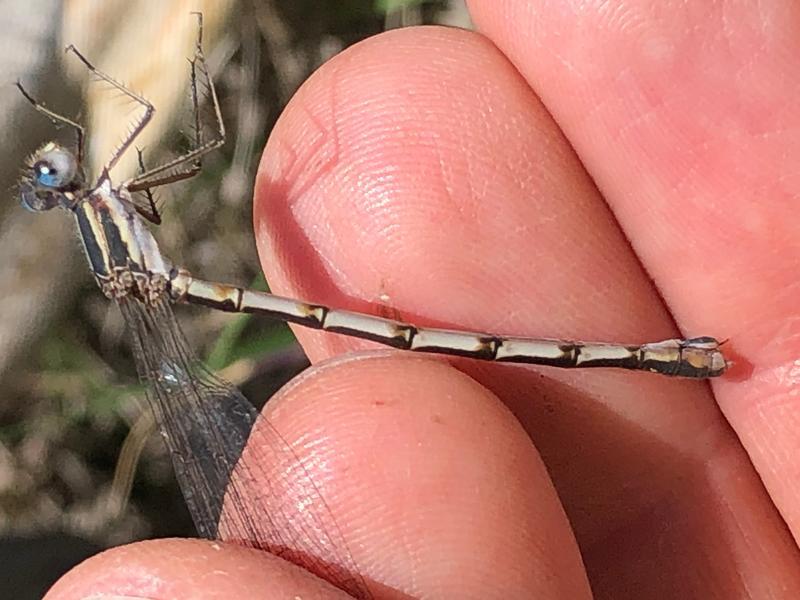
597	170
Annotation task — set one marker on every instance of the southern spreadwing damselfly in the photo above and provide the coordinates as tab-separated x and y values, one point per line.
205	421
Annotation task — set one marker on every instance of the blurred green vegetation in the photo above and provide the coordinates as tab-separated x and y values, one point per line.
387	6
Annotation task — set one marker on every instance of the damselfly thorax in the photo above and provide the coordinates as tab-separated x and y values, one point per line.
122	252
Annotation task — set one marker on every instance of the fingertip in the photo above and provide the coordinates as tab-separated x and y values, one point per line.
380	148
433	484
187	568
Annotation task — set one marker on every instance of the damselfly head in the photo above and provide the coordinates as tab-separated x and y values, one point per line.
52	177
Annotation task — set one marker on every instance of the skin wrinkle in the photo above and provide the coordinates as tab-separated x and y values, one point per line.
328	148
302	171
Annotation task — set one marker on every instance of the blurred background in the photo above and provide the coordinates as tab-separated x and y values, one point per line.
80	467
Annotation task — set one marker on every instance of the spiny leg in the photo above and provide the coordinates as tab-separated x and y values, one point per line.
56	118
149	178
138	186
140	124
198	129
141	182
151	212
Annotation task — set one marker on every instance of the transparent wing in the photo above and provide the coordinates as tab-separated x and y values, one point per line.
270	501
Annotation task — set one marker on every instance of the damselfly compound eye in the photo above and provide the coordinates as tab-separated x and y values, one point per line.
54	167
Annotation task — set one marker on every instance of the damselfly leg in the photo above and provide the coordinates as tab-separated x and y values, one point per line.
138	125
57	119
176	169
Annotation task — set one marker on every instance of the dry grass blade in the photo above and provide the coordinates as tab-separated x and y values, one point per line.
145	45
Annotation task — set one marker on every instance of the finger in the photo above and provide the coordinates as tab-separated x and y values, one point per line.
197	569
406	452
434	487
418	166
685	115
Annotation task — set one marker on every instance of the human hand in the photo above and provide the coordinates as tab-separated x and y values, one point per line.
421	164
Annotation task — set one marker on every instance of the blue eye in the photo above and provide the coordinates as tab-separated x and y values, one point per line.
55	168
47	176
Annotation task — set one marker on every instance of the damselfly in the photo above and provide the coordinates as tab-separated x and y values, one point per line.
206	422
